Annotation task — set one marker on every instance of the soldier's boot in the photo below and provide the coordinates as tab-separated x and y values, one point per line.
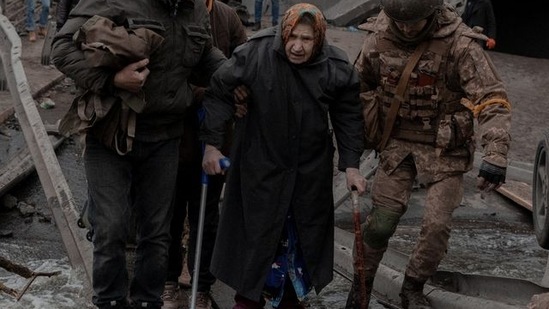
353	299
411	294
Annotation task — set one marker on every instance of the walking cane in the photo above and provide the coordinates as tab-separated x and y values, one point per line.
224	163
359	247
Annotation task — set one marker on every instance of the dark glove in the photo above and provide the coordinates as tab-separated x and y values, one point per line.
490	174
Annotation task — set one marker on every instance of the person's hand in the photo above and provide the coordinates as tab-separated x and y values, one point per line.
241	95
491	43
241	110
354	179
211	159
490	177
133	76
198	93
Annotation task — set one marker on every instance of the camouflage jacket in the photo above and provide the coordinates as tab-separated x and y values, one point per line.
453	82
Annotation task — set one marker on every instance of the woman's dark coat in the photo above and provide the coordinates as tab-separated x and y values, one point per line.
282	156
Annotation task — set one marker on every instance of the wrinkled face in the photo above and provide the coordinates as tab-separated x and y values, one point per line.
299	47
411	30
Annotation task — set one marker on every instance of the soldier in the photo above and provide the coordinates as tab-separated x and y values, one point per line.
423	81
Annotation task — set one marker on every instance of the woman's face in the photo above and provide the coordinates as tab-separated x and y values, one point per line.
411	30
299	47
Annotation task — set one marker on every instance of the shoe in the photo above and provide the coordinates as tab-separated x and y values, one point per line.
115	305
203	301
257	26
32	36
42	31
171	296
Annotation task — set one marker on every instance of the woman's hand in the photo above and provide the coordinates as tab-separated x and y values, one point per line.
211	159
355	180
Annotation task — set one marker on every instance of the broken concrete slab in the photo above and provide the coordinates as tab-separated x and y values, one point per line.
338	13
351	12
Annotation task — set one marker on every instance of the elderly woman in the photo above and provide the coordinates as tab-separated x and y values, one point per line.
275	237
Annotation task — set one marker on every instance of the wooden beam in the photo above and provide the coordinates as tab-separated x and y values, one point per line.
518	192
19	167
58	194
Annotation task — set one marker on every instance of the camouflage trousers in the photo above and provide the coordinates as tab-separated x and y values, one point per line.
390	196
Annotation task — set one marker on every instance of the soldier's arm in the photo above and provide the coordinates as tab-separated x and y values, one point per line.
485	90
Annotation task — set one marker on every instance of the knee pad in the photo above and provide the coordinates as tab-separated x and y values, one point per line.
380	226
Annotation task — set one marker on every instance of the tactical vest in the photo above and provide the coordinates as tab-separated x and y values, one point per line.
427	99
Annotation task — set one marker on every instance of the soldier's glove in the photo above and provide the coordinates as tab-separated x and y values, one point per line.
490	176
491	43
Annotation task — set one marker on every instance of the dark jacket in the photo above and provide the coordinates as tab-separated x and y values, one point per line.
185	56
227	30
282	156
227	33
480	13
107	45
62	11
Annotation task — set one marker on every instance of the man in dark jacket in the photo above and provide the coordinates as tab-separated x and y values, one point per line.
227	33
143	180
479	13
62	12
275	235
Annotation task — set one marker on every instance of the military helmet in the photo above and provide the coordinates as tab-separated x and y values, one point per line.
410	10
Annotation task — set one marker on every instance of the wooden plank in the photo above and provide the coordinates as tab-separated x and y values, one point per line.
19	167
54	184
518	192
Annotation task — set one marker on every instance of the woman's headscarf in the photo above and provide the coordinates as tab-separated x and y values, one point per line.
294	15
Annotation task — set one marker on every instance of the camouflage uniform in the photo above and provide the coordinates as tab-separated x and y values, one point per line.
433	135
